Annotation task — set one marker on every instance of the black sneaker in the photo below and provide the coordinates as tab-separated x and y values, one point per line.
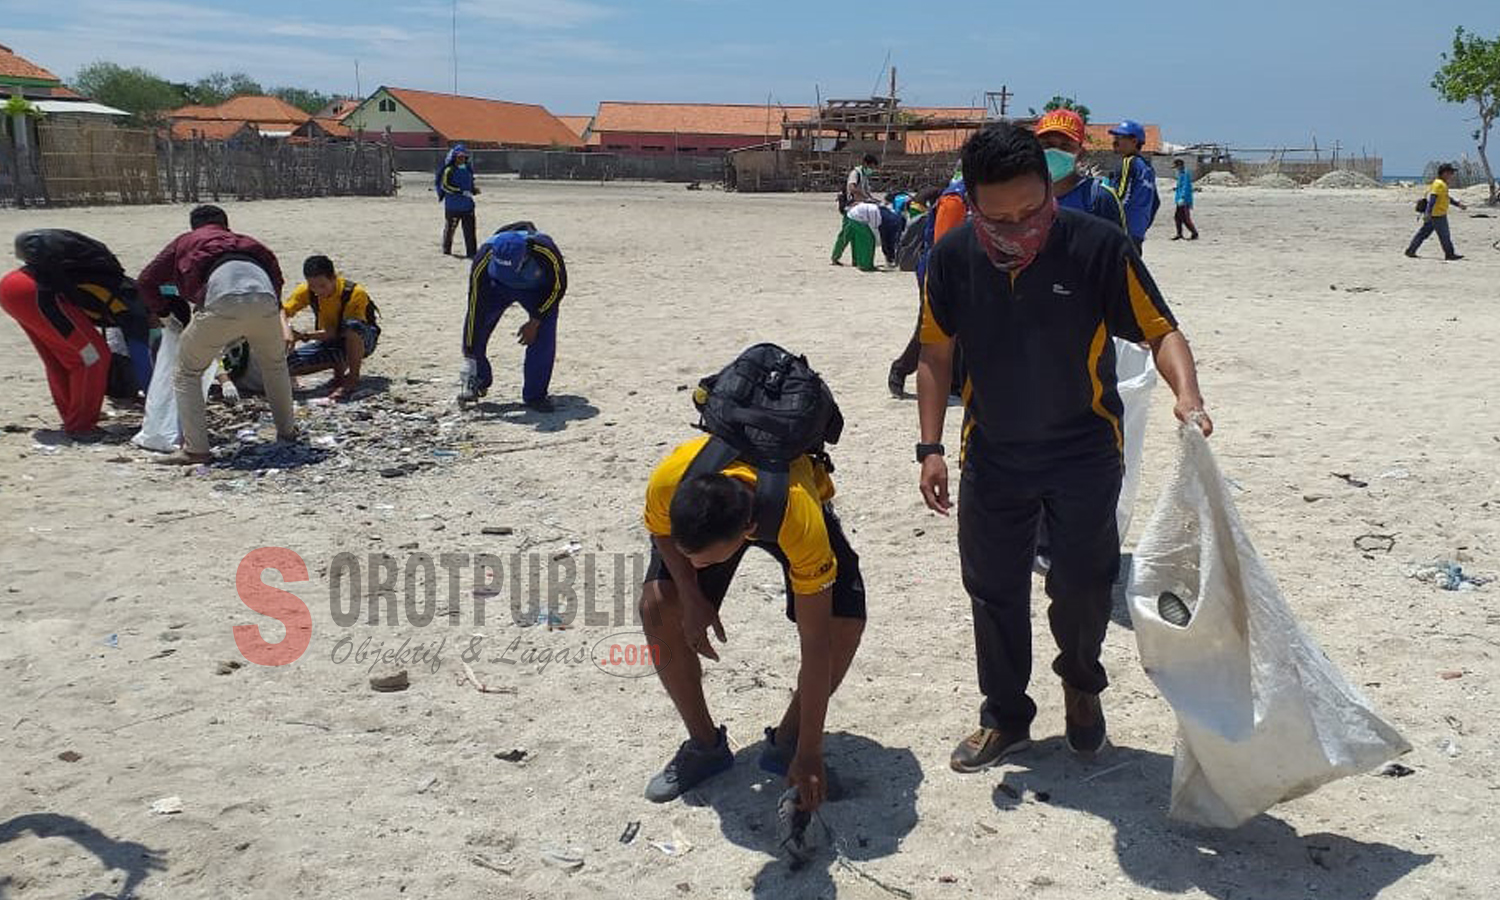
988	747
1454	257
1085	721
541	405
690	766
1411	254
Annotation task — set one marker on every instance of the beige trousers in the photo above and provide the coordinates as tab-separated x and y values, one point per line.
225	319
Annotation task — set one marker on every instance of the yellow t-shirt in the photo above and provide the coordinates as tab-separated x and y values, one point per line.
1437	202
803	536
329	317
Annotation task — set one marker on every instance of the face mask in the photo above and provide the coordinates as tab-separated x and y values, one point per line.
1060	164
1011	246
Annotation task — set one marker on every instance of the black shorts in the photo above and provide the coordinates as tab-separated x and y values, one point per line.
848	585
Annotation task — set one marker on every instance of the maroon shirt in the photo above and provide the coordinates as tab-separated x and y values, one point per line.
188	260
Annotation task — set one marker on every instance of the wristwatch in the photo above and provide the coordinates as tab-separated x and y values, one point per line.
926	450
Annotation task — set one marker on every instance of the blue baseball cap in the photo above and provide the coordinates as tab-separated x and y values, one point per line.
1130	128
507	254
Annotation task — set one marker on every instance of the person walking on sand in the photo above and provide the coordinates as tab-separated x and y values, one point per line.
1062	134
1435	215
456	189
1135	182
1184	196
1042	290
226	289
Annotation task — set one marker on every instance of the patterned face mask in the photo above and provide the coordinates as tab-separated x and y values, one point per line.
1011	246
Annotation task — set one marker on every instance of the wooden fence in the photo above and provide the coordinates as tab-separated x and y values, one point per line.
68	162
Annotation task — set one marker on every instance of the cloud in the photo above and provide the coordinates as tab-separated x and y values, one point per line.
532	14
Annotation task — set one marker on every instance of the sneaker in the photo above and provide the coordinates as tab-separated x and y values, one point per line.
541	405
1085	721
895	382
777	760
1410	254
1453	257
469	391
690	766
988	747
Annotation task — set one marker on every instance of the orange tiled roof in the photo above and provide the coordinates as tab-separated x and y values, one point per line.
577	124
750	120
13	66
480	121
267	111
208	129
334	127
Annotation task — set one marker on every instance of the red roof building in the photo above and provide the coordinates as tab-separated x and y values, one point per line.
427	119
270	116
702	128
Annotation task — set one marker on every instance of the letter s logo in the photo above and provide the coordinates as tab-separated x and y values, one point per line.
281	605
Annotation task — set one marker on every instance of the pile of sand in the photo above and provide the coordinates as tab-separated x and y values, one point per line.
1275	180
1345	179
1220	179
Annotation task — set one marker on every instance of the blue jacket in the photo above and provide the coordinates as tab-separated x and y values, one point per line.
1091	196
455	184
538	283
1136	189
1184	189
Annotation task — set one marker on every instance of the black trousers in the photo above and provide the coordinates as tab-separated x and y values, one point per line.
1184	219
1005	493
453	221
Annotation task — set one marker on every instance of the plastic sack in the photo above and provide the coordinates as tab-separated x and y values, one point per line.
1135	371
1263	716
160	429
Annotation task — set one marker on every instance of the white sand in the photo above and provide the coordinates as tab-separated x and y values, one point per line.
1322	350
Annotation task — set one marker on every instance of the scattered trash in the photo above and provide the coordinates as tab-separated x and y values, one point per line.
631	830
167	806
425	784
513	756
1350	479
1448	747
111	640
227	666
571	548
947	879
569	860
470	678
1448	576
677	846
396	681
1372	543
69	756
1452	675
1395	475
445	454
498	530
791	834
484	862
1395	770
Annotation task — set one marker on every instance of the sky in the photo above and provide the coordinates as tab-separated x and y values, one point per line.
1272	73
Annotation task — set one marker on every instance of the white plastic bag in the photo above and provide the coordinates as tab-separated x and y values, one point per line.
160	429
1135	371
1263	716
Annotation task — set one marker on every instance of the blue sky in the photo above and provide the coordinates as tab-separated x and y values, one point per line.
1269	73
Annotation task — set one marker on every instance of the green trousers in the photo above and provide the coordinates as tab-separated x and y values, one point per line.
862	239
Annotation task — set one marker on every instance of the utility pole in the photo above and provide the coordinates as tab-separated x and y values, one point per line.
999	101
455	46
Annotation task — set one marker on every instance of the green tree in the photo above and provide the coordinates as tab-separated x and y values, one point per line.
139	92
308	101
1061	102
216	87
1471	74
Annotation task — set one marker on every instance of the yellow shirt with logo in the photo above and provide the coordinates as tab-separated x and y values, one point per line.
804	533
329	316
1437	198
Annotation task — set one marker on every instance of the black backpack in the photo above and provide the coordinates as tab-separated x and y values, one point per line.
372	312
61	259
767	408
915	241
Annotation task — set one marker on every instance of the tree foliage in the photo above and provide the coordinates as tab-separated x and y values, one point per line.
145	96
216	87
1061	102
308	101
1471	74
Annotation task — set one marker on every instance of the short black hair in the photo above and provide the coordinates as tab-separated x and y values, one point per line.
871	160
1447	167
317	265
708	510
208	214
1000	152
1177	163
930	195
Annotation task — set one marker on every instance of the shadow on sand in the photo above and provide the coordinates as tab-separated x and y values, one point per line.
137	861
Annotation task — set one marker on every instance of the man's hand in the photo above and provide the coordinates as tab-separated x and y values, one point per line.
231	392
935	484
808	776
698	616
526	334
1190	410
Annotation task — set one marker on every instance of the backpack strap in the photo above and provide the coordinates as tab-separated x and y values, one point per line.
771	485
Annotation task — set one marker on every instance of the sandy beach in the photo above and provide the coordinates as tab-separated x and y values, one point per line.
1322	352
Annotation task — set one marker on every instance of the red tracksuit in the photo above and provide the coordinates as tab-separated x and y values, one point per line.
71	347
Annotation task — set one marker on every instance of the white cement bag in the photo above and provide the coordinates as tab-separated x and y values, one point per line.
1263	716
160	429
1135	370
